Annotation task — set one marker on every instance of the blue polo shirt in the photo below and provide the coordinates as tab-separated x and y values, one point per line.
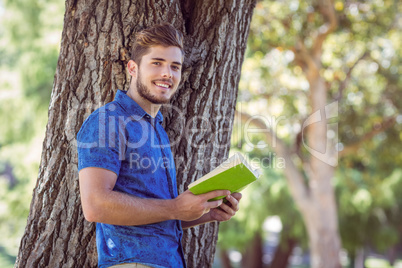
123	138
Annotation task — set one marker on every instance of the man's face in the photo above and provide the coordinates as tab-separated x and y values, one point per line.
159	74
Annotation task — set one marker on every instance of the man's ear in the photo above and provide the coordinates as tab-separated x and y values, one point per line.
132	68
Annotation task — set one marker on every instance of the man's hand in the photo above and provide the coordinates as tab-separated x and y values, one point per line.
189	207
222	213
226	210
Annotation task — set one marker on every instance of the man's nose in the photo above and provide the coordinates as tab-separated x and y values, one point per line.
167	72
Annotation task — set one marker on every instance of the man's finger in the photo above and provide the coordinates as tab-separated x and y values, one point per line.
220	215
234	202
238	196
229	210
213	204
215	193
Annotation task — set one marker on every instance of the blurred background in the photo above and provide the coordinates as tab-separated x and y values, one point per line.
361	66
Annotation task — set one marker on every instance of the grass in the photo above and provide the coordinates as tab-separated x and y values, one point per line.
376	263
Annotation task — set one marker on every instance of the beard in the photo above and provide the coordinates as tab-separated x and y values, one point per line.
145	93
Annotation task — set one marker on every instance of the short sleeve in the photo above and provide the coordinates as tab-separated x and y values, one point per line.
97	143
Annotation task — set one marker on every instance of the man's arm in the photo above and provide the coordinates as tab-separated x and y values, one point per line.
223	213
101	204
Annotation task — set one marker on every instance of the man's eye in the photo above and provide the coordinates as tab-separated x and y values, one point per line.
175	68
156	63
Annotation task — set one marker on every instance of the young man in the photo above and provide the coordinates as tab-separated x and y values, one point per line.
126	168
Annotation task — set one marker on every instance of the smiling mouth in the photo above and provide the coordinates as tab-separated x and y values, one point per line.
163	85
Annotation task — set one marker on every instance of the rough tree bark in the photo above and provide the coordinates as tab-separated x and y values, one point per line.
94	51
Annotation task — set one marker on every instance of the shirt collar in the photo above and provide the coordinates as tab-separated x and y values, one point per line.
132	107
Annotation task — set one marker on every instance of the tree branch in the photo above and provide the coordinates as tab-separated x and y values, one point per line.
304	59
345	81
293	175
326	8
294	92
386	124
266	96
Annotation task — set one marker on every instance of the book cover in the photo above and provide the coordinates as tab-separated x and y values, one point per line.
234	175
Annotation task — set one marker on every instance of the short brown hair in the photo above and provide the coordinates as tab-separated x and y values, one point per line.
158	35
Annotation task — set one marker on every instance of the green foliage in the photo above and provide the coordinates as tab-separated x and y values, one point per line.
30	33
373	210
14	202
361	63
38	79
22	123
30	39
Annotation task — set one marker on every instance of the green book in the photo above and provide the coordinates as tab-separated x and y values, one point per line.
233	174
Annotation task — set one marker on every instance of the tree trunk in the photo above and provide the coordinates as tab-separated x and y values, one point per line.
352	259
225	260
360	259
324	239
283	253
320	214
94	51
392	255
254	253
316	201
